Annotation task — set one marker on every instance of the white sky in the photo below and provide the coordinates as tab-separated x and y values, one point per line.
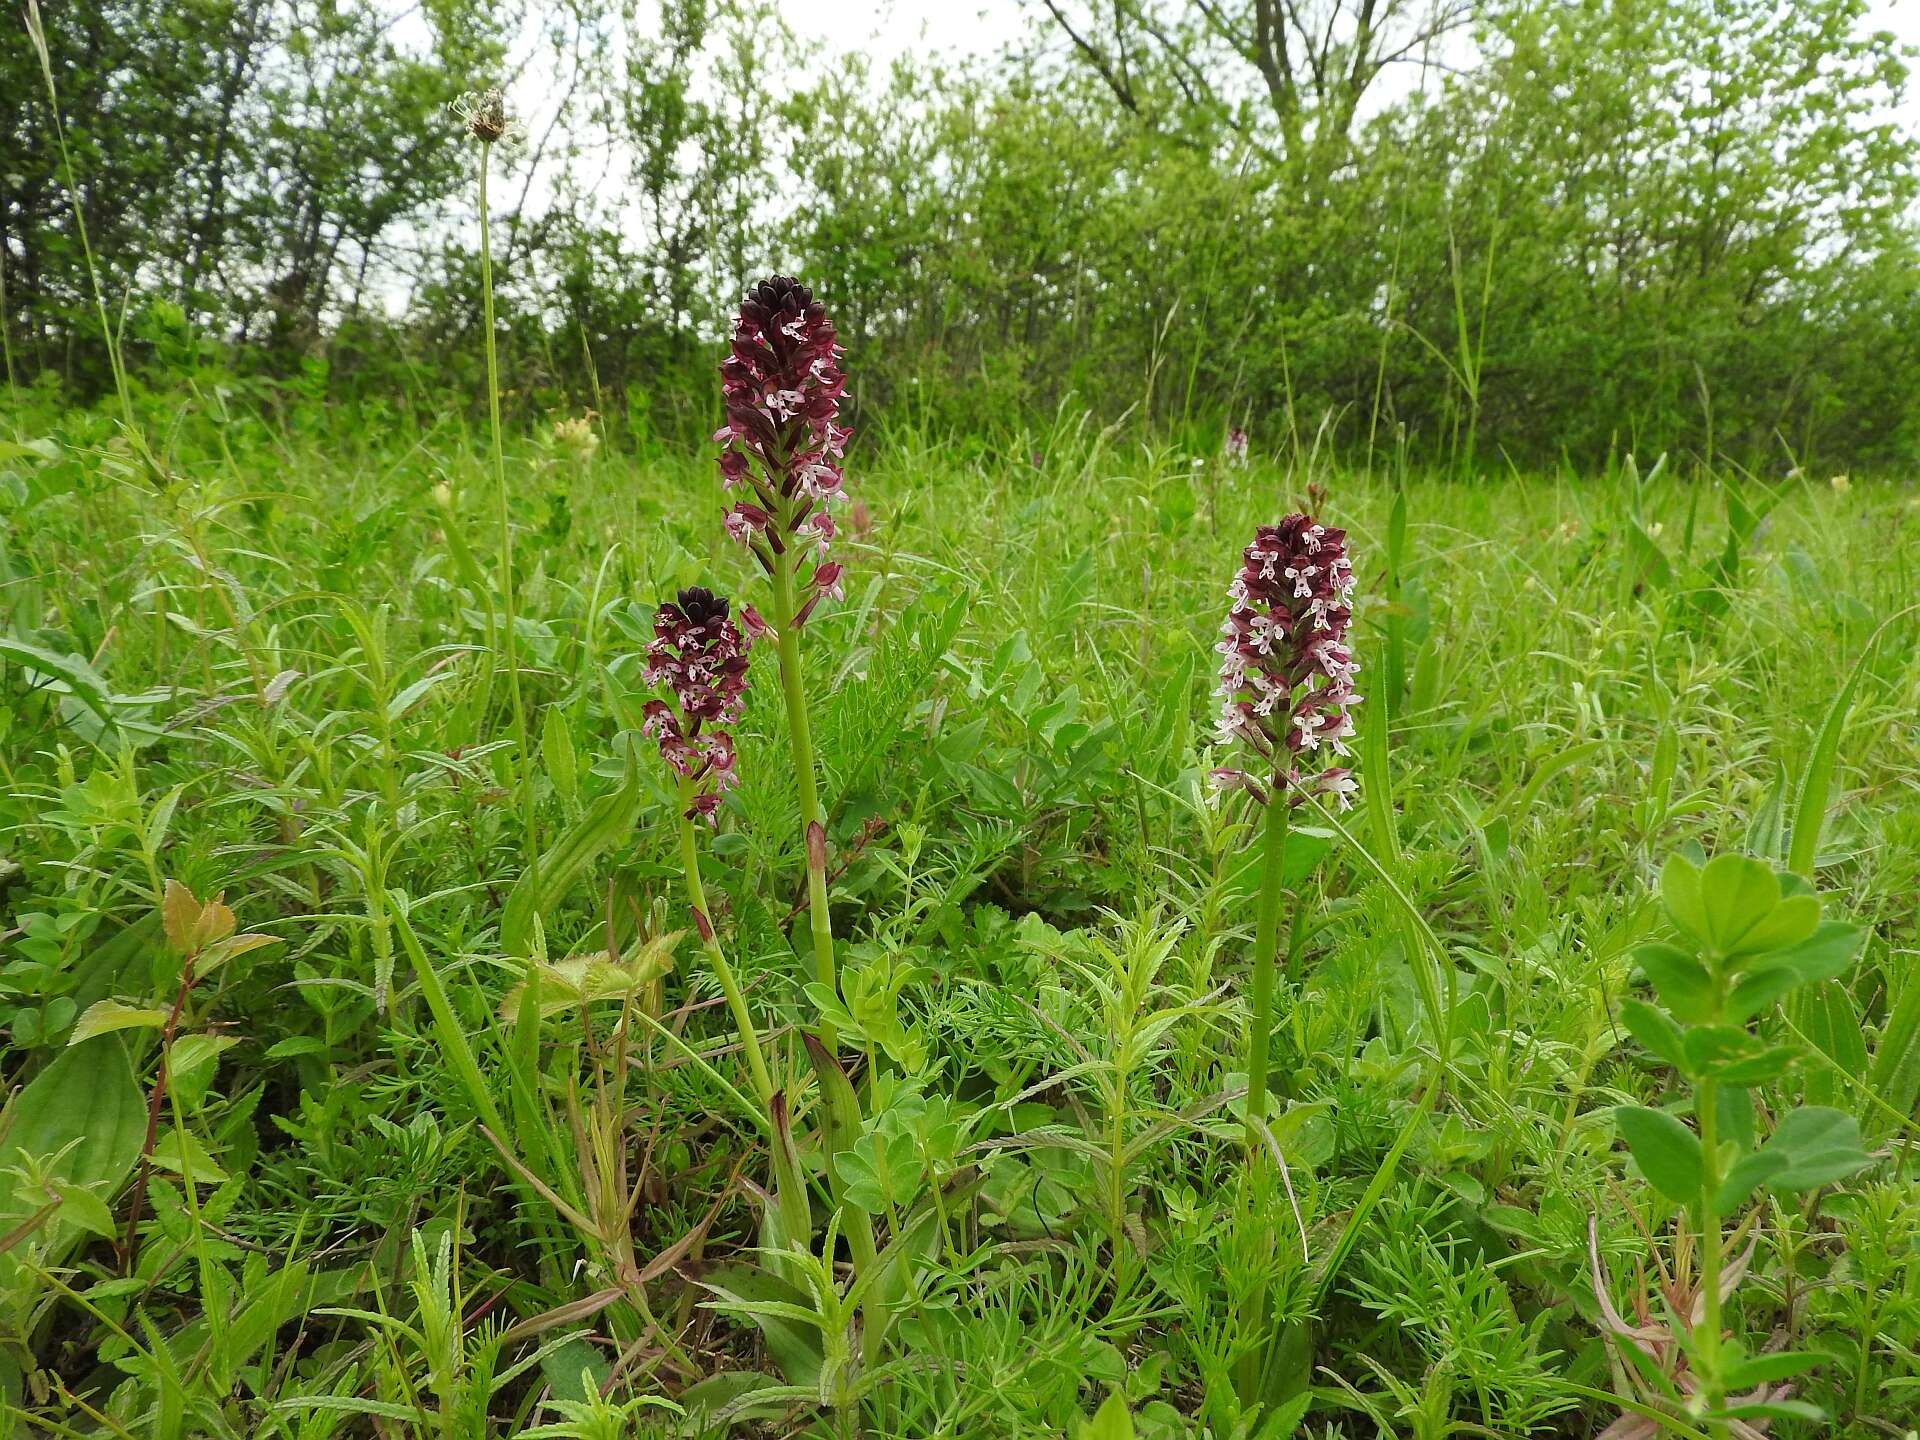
887	29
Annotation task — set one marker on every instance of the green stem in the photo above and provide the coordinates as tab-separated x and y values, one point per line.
1117	1185
813	820
1266	939
1706	1335
523	756
736	1000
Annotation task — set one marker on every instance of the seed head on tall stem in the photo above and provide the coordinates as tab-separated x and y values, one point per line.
484	113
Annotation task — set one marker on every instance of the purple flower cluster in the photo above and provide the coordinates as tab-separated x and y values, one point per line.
782	386
1286	674
701	657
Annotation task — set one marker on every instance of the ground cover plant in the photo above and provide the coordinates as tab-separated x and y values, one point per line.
374	1073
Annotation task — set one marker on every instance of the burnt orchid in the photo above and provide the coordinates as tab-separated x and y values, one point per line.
1286	670
1286	696
782	449
781	383
700	656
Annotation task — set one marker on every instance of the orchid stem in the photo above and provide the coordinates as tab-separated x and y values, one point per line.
812	817
703	919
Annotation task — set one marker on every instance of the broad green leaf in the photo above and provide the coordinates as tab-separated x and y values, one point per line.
41	448
89	1100
1759	990
1781	1365
1680	980
765	1299
296	1045
1775	1410
190	1052
1680	892
1710	1045
1895	1074
563	986
409	697
1821	956
1746	1173
1819	1145
1112	1421
105	1016
1655	1030
1829	1020
1667	1152
75	676
171	1155
85	1210
1735	1109
557	753
1790	922
1824	952
1759	1069
1737	893
1816	780
572	1366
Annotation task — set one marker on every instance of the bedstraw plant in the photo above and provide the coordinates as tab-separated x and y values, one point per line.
1745	938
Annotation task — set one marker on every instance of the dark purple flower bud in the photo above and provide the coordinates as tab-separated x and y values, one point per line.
782	385
699	654
1286	672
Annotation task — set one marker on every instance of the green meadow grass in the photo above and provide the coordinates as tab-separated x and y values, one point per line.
405	1181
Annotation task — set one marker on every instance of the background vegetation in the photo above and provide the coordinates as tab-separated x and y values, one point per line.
1518	229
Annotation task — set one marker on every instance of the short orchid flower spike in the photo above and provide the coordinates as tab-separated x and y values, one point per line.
700	655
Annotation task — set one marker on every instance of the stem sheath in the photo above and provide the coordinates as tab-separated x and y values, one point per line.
1266	940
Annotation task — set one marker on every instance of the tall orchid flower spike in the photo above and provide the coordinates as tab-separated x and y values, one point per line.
782	450
1286	701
